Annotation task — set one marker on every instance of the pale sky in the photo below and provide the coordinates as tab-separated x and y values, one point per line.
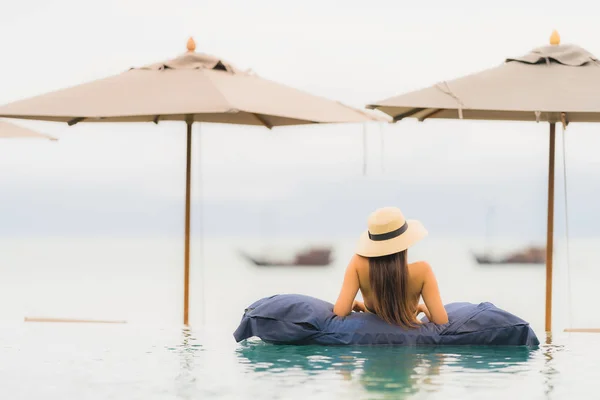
353	51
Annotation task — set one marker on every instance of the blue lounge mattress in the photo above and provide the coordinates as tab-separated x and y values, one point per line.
299	319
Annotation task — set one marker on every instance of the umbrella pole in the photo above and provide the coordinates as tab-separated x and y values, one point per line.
550	228
186	274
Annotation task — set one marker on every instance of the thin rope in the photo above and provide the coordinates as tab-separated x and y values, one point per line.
200	228
382	137
364	149
569	298
450	93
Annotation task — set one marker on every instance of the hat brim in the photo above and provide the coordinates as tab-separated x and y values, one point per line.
371	248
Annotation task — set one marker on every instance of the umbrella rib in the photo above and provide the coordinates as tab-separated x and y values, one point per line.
75	121
431	114
262	120
408	114
358	111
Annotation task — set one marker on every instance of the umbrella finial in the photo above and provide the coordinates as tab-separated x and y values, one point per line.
554	38
191	45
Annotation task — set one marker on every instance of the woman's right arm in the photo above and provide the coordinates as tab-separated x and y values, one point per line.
345	302
431	296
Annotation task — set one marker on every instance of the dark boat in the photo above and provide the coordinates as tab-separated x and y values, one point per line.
311	257
530	255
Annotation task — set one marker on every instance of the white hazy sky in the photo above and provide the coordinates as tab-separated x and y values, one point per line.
352	51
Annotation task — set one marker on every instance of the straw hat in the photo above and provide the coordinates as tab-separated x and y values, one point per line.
389	232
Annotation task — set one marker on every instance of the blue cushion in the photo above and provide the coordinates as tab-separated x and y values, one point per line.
299	319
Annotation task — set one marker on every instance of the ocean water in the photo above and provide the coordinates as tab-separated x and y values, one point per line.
153	356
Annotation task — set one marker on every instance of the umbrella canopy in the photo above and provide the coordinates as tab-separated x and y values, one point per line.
9	131
193	87
556	83
538	86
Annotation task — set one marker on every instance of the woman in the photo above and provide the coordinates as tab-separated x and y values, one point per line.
390	287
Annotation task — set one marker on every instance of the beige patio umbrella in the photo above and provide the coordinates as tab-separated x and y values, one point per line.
10	131
193	87
556	83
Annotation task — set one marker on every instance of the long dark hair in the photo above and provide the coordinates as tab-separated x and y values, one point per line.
389	280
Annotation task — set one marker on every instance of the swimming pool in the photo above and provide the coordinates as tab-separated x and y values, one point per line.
151	357
68	361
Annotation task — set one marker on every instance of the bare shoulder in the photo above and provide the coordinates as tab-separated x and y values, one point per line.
359	262
420	269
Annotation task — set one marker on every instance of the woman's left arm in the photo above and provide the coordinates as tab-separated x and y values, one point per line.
345	302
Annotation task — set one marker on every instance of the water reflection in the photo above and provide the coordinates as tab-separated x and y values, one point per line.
549	368
185	381
382	368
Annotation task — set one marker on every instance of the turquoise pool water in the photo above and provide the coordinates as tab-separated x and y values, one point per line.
58	361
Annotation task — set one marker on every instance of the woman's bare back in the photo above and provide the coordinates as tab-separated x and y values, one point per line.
421	283
415	282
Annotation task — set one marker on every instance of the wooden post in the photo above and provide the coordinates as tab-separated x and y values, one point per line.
72	320
583	330
186	274
550	228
